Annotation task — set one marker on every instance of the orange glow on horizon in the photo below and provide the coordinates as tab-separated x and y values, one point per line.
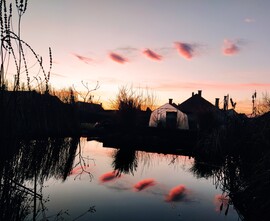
243	106
174	86
163	91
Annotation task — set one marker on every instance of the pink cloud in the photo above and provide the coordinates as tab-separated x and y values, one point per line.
84	59
176	193
144	184
152	55
106	177
174	86
230	47
118	58
249	20
186	50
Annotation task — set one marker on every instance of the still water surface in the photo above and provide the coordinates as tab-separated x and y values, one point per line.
145	186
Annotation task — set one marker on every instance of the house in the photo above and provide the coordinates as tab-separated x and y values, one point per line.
169	116
201	113
89	107
197	104
30	114
89	112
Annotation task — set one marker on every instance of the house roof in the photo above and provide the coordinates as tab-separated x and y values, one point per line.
91	107
32	96
175	105
196	104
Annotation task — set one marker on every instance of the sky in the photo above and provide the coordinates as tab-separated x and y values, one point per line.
171	47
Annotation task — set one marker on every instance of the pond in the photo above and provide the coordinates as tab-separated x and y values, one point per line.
76	179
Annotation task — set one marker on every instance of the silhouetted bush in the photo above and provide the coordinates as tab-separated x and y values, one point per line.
33	114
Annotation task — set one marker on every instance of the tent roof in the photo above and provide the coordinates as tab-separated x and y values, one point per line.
168	106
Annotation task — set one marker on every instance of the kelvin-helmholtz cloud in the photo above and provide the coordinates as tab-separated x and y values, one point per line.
231	47
84	59
118	58
152	55
186	50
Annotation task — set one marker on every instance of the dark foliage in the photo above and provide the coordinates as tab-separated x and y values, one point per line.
239	156
28	113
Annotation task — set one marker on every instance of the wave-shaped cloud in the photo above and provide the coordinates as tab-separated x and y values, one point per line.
144	184
230	47
118	58
186	50
82	58
152	55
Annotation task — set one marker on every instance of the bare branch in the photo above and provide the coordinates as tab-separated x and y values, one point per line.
87	97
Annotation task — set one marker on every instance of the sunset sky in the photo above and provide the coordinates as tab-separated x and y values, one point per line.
173	47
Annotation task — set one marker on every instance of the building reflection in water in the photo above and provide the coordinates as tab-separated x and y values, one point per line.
25	165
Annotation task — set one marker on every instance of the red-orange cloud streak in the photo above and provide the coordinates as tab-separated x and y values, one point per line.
144	184
152	55
118	58
176	193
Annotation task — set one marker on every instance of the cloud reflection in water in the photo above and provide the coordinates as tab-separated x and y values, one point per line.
176	194
144	184
106	177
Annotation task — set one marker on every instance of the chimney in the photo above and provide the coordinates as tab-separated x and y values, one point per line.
200	93
170	101
192	94
217	103
225	103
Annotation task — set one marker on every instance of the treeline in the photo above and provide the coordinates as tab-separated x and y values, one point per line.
29	113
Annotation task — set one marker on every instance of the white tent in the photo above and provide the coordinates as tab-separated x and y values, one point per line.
168	116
